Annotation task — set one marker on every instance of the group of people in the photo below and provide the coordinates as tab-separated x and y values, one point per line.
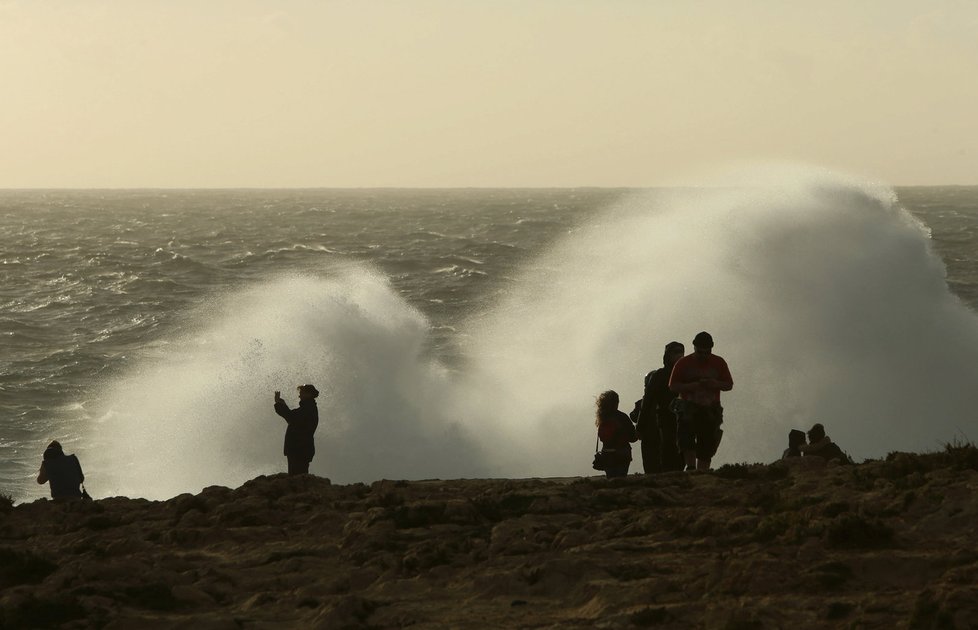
677	420
679	416
818	445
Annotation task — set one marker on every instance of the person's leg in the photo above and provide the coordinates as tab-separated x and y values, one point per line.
670	456
652	443
298	465
706	426
687	440
649	456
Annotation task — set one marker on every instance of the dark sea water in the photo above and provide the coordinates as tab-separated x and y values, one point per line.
115	305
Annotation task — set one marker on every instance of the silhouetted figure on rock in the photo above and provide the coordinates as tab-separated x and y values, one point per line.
303	420
657	425
796	439
63	472
616	432
821	445
698	379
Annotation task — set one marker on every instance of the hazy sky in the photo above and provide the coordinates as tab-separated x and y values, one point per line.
234	93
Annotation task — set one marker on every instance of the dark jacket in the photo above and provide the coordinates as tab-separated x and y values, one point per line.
656	401
616	434
64	474
303	421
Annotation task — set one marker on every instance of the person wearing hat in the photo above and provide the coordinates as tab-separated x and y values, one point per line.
64	473
699	378
656	424
303	420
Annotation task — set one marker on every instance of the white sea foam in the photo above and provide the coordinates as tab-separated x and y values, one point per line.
821	292
202	413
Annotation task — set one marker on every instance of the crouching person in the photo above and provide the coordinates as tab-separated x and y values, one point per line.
821	445
63	472
796	440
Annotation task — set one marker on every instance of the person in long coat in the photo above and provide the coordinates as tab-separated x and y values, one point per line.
303	420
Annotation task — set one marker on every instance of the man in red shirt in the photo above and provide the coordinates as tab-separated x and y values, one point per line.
699	378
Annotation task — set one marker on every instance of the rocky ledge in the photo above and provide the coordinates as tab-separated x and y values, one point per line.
882	544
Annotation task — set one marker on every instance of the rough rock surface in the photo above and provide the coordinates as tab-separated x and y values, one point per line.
882	544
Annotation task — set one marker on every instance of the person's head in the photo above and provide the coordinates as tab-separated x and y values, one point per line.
703	344
53	450
307	392
816	433
607	404
795	438
673	352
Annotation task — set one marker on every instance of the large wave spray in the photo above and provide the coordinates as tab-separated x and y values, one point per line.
201	412
822	293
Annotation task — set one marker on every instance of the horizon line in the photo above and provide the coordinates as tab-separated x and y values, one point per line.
394	188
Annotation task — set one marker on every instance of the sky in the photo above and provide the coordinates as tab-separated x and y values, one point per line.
466	93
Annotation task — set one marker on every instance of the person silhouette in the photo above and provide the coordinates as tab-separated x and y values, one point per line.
656	424
63	472
821	445
616	432
699	378
303	420
796	439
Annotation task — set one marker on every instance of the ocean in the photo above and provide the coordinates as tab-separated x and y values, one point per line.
466	333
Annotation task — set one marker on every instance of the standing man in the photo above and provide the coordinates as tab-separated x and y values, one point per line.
698	379
656	422
303	420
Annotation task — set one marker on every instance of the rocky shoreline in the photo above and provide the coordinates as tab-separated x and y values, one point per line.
884	543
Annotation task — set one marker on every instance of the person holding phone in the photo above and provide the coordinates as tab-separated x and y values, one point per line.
699	378
302	422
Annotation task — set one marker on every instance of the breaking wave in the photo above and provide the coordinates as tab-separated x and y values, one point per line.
822	293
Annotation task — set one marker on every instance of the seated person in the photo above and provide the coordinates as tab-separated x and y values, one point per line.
820	445
796	439
63	471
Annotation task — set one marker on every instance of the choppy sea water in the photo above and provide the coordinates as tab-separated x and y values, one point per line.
145	329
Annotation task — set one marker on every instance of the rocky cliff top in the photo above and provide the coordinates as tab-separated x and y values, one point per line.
885	543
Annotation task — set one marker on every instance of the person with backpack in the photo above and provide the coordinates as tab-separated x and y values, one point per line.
63	472
699	378
657	424
303	420
616	432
